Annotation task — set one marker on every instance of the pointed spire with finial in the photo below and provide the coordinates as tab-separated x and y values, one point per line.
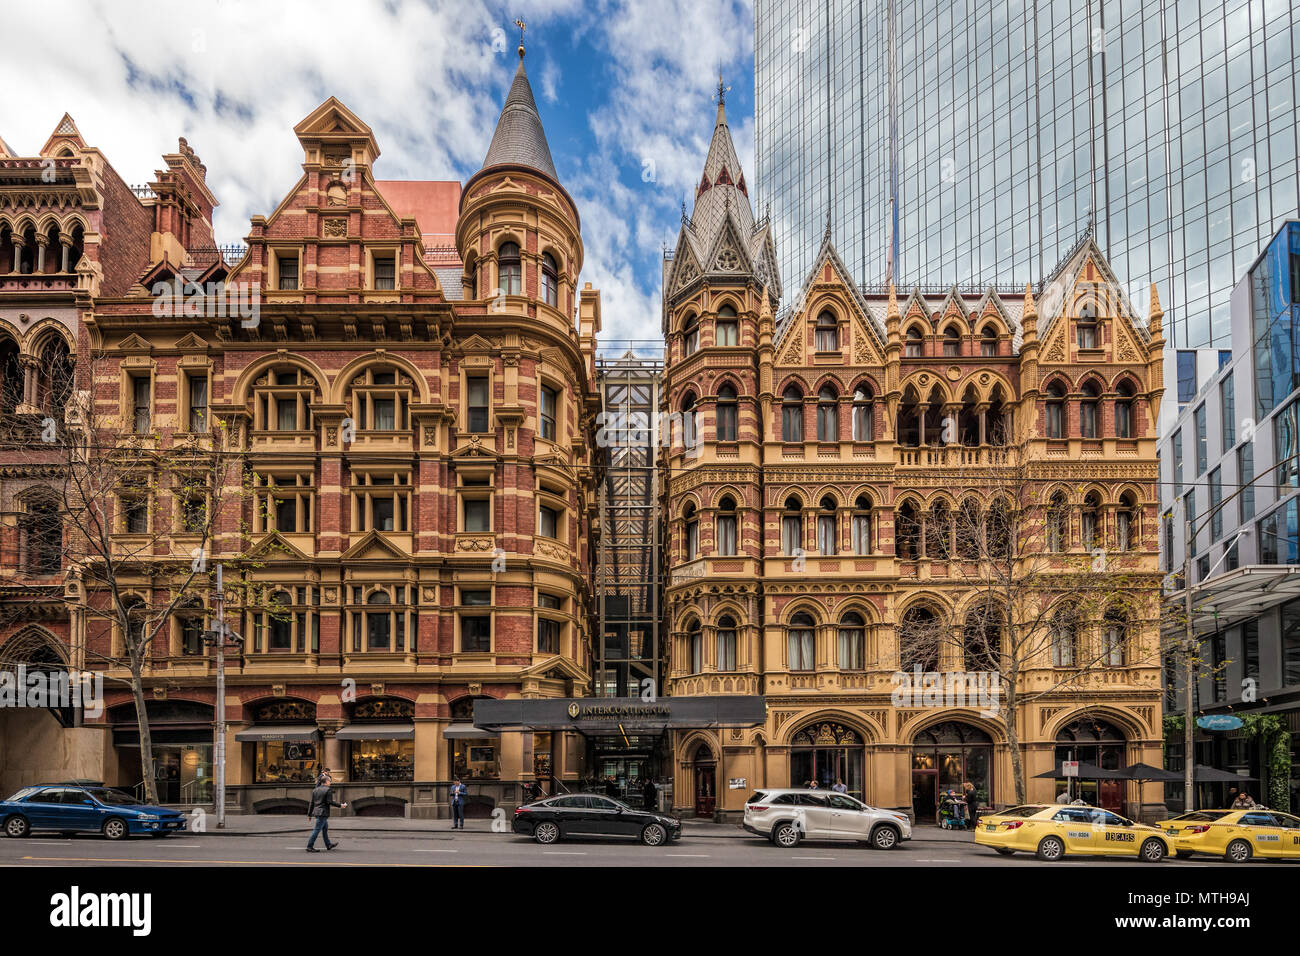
1156	315
519	139
1029	319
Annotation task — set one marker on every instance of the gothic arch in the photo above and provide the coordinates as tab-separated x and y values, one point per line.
926	389
725	490
865	727
803	606
1124	721
960	715
39	335
728	607
342	381
29	645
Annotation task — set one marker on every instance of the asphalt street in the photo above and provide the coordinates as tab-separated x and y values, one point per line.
470	848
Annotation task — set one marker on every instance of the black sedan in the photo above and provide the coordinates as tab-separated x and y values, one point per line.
589	814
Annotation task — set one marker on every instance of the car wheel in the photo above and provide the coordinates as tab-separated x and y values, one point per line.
17	826
115	828
1238	852
546	833
1051	849
1182	854
786	835
1153	851
884	838
653	835
1004	851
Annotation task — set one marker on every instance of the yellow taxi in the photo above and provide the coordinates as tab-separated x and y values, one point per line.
1235	835
1053	831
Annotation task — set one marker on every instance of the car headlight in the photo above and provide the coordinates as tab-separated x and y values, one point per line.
147	816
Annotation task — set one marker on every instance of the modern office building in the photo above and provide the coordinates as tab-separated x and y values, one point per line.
1229	476
973	140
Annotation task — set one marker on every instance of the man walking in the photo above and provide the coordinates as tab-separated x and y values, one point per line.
458	792
319	808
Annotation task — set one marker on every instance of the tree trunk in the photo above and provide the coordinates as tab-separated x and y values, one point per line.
1013	742
146	740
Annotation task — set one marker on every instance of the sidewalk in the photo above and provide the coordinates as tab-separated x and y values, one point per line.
257	824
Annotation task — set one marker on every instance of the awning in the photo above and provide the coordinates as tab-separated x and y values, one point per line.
128	737
621	715
376	732
299	733
466	730
1226	599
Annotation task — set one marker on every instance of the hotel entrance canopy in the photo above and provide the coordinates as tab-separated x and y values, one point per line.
1236	596
627	715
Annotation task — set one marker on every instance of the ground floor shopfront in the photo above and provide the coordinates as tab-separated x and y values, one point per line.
907	759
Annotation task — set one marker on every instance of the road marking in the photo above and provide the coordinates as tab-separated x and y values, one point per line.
699	855
563	853
423	850
102	859
812	857
926	859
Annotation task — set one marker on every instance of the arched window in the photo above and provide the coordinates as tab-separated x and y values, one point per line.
1114	638
913	344
792	527
41	535
54	378
828	333
691	334
1124	411
970	526
908	533
989	342
1086	326
695	646
801	643
1065	640
864	414
1055	410
688	420
12	386
919	635
509	269
726	644
951	342
1126	522
282	401
828	415
726	412
692	529
727	329
998	530
1058	523
727	530
862	525
982	639
550	281
852	642
1088	418
938	532
1089	521
792	415
826	543
378	623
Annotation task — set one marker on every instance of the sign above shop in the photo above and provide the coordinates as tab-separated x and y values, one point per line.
1219	722
615	715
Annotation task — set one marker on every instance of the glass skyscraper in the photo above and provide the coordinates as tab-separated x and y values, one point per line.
974	141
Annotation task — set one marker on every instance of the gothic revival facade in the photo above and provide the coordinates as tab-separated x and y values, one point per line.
402	505
829	504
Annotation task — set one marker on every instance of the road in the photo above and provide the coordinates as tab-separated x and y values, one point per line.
504	849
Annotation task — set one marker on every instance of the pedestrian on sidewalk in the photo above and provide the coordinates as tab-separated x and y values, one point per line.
648	794
611	788
319	809
972	803
1244	801
458	792
840	786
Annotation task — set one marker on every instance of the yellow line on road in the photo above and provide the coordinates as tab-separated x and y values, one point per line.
101	859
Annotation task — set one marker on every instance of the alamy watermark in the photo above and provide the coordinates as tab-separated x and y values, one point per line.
982	689
45	688
215	300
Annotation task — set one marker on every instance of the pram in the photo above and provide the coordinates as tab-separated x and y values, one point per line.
952	811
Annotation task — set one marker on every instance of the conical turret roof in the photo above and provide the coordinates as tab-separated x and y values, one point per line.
519	139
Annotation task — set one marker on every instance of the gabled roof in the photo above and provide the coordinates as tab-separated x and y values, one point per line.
1052	300
519	139
826	254
65	130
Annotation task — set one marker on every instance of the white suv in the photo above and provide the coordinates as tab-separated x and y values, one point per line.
787	816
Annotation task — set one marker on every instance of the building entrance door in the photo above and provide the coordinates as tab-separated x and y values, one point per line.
925	795
705	783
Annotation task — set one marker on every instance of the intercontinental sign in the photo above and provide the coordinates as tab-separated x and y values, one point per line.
580	711
605	715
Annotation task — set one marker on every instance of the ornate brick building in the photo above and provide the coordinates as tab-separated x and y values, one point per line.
833	488
404	515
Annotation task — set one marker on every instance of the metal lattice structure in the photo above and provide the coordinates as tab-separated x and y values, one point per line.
627	646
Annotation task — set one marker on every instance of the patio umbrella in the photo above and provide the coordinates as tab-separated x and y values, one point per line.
1143	771
1087	771
1204	774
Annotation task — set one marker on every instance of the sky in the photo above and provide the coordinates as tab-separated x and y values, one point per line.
626	90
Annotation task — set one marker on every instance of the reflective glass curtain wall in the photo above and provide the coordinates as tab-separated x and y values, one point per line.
1187	154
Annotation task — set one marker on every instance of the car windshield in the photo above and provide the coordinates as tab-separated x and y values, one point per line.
1202	816
114	798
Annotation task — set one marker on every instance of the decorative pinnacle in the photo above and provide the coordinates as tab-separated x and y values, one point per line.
520	25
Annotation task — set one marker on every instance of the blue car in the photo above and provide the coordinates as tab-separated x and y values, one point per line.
69	808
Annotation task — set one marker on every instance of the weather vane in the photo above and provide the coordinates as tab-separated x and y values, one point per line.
722	90
520	25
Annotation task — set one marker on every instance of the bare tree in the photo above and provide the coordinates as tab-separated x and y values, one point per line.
129	514
1036	606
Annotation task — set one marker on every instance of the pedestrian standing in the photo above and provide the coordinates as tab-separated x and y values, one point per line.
319	809
840	786
1244	801
972	804
611	787
458	791
648	793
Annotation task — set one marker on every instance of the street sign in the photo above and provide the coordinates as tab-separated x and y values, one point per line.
1219	722
1070	768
